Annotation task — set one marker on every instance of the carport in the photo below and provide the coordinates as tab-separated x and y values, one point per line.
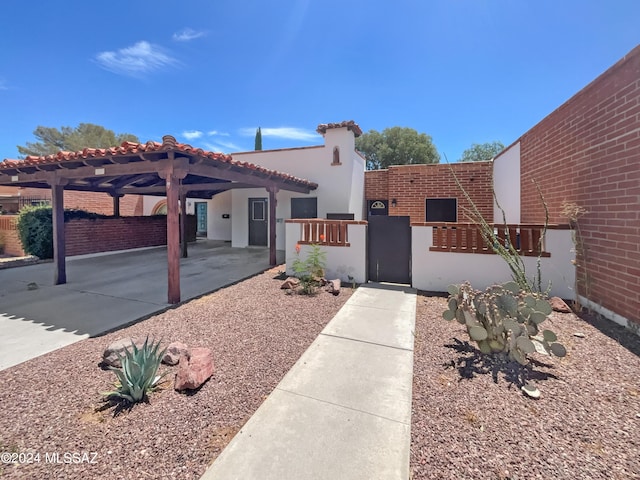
169	169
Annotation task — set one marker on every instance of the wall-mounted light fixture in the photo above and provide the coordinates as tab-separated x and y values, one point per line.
394	202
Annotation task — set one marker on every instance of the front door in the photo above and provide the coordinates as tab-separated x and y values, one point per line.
258	222
389	249
201	217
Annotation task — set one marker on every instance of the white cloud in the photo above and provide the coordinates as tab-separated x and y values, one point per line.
219	146
212	133
138	59
3	84
192	134
187	35
289	133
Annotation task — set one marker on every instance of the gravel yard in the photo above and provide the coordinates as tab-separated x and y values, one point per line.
52	404
465	425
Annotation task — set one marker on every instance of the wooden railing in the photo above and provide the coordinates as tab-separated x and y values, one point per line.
467	238
333	233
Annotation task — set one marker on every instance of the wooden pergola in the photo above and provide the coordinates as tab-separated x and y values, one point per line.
169	168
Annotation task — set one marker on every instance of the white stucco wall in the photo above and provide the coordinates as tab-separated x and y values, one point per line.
342	262
506	184
219	228
340	187
435	271
150	201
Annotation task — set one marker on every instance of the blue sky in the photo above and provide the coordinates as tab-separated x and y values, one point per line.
210	72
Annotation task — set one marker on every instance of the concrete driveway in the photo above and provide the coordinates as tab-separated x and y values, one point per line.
106	292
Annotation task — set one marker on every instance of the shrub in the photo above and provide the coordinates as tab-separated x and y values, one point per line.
35	228
139	372
36	231
504	319
311	270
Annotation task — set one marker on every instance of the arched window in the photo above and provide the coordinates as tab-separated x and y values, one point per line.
336	156
160	208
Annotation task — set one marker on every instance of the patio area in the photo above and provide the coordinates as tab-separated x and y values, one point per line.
107	291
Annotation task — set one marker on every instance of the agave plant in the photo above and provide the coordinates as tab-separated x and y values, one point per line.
139	372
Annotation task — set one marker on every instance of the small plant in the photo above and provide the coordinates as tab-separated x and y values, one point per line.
139	372
504	319
310	271
573	212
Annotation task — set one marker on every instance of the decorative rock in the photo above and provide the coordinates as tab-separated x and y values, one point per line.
290	283
175	350
333	286
197	370
110	355
558	305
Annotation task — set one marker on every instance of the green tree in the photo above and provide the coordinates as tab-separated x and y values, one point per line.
258	139
86	135
481	152
396	146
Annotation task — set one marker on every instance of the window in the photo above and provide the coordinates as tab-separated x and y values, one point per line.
336	156
441	210
304	207
257	212
377	207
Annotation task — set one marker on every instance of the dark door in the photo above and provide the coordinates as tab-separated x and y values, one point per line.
258	221
389	249
201	217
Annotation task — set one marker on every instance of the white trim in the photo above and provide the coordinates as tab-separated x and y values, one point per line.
610	315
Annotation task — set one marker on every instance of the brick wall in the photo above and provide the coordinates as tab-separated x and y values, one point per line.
588	152
10	243
97	202
122	233
84	236
411	185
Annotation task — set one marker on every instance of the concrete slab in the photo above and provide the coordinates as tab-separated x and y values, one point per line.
386	296
105	292
393	328
362	376
296	437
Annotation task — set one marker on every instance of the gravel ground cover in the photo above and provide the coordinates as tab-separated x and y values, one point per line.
53	404
471	421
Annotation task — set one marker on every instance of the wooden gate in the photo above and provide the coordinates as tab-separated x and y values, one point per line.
389	249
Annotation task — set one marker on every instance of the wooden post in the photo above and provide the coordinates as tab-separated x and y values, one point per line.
183	220
173	175
57	204
116	204
272	225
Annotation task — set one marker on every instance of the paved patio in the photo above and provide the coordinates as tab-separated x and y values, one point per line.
107	291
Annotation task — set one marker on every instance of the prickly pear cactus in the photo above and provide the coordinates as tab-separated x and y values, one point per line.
504	319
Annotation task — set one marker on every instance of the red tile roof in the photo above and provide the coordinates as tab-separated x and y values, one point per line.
169	143
350	124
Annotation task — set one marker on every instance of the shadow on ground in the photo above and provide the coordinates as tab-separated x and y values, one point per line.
472	362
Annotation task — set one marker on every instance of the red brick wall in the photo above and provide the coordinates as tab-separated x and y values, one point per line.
105	235
411	185
96	202
588	152
10	243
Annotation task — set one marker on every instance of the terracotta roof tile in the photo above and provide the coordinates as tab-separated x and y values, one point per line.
350	124
169	143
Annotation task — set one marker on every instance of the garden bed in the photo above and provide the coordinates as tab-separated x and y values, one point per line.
471	421
52	404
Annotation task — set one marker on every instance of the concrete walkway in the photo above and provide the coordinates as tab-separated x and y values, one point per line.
344	410
105	292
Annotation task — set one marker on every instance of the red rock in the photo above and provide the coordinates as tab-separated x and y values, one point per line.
333	286
558	305
197	370
175	350
290	283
